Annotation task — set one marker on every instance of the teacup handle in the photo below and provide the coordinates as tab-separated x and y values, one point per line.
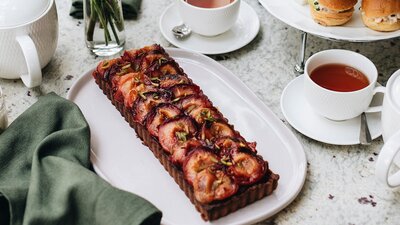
373	109
385	159
34	76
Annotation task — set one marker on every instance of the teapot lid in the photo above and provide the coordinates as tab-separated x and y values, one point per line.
17	12
393	89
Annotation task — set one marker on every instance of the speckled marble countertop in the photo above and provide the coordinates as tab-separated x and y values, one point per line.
340	187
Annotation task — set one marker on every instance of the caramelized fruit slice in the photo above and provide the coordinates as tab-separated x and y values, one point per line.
131	55
146	102
151	59
198	160
201	115
107	67
247	168
139	91
125	87
192	102
228	145
180	151
175	132
183	90
160	114
211	131
163	66
170	68
170	80
213	185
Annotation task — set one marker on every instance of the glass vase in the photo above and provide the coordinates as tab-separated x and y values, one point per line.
104	26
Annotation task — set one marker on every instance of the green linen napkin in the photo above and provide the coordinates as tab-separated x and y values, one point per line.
44	175
130	9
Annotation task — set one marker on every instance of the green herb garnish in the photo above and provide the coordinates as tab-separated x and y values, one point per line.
142	95
206	114
181	135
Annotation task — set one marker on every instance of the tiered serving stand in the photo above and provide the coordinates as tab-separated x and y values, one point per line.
298	16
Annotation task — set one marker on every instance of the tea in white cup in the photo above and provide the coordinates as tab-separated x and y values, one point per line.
390	153
340	84
209	3
209	17
28	39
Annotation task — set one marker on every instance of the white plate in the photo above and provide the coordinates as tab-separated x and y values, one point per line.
245	29
301	116
121	158
299	16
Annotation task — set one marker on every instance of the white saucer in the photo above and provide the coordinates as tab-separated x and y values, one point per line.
301	116
245	30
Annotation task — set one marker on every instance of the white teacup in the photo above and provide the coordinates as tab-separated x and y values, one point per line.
336	105
209	21
28	38
389	154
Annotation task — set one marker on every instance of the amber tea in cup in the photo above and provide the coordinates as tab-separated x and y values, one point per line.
209	3
339	84
339	77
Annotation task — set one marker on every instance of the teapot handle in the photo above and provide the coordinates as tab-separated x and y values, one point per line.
386	157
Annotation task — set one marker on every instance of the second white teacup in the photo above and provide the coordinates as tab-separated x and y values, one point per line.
209	21
341	105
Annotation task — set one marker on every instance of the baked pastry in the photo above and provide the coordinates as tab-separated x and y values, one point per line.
381	15
332	12
212	163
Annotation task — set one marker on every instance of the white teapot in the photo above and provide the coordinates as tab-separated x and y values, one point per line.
390	153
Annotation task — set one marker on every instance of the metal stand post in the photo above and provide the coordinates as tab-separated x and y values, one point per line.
299	68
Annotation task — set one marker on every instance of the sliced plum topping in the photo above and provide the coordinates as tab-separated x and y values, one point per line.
146	102
247	168
130	55
226	146
107	68
170	68
175	132
139	91
192	102
201	115
211	131
159	115
213	185
181	150
183	90
198	160
170	80
151	59
126	87
162	67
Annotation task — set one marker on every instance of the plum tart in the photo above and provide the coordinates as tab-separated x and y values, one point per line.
213	164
